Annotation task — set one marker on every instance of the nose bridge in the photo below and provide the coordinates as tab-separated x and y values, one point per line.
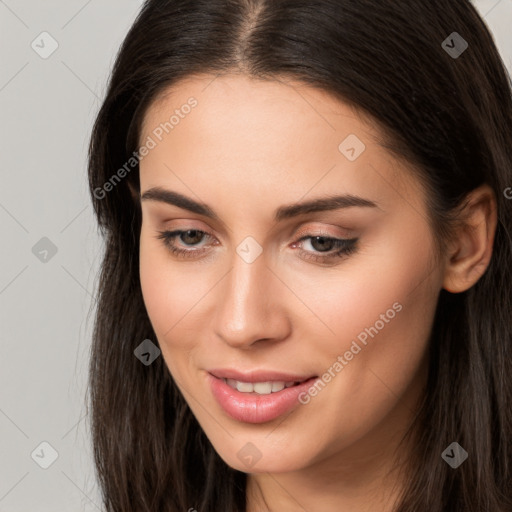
245	313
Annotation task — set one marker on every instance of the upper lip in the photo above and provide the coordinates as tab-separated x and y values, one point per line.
258	375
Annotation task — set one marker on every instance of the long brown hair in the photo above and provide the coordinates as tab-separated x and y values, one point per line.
448	113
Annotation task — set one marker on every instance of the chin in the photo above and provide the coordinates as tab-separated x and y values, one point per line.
250	459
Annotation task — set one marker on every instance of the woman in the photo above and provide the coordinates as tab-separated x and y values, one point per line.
305	298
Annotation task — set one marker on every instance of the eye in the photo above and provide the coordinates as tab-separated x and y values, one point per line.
191	236
325	248
334	248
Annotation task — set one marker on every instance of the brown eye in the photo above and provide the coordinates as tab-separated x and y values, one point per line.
188	237
192	234
323	244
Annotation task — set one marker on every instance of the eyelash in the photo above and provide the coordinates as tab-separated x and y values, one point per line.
345	246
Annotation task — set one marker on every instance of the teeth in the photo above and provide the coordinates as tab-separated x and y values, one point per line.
230	382
277	386
244	387
262	388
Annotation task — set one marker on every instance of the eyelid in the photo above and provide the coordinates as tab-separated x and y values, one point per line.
304	230
322	231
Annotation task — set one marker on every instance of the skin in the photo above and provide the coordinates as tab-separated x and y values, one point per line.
248	148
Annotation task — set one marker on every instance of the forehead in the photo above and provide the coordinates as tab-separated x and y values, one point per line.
258	136
231	102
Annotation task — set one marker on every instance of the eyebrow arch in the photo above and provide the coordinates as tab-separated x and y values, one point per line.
283	212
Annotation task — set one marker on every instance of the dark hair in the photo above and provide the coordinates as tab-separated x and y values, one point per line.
449	116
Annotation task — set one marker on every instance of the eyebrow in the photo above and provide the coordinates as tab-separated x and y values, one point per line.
283	212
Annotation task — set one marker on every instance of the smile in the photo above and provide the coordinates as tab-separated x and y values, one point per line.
257	402
261	388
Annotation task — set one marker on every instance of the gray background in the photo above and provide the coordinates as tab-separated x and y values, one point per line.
47	108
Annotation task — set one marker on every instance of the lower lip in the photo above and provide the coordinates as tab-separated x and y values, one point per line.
254	408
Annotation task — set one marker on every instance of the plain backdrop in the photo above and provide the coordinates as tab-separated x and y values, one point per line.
55	57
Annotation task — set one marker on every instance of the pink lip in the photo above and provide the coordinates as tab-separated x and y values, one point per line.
257	376
255	408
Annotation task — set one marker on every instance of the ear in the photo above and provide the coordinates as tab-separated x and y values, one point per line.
471	248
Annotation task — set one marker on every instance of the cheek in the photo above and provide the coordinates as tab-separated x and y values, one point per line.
393	282
383	326
151	267
162	306
160	282
379	313
173	294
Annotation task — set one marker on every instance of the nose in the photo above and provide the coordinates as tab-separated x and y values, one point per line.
251	308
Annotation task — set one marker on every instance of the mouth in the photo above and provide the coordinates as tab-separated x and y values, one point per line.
258	401
261	388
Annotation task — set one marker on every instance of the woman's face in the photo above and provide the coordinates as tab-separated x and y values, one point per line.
255	293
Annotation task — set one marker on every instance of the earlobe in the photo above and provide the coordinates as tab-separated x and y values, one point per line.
471	248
